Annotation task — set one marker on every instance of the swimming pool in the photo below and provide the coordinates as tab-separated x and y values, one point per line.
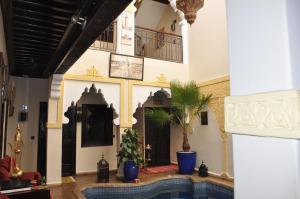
163	189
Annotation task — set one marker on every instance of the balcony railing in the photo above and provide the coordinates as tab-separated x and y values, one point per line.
158	45
107	40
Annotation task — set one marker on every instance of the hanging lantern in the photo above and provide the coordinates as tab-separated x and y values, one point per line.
189	8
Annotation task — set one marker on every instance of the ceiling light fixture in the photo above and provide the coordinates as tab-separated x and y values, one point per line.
189	8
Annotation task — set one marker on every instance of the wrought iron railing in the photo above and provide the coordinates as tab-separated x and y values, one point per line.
107	40
158	45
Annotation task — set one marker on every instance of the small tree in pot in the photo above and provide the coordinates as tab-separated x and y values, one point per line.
186	104
129	154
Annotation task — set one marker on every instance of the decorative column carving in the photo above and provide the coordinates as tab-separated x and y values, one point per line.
56	86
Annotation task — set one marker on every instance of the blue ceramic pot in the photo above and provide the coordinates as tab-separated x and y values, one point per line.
186	162
131	171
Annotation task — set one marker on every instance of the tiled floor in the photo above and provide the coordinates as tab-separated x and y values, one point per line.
66	190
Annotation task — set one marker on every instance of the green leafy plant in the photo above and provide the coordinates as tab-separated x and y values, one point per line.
187	103
130	148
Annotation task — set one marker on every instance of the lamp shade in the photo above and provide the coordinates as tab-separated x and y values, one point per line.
189	8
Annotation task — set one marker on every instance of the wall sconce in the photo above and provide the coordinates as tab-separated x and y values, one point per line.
23	114
204	118
173	25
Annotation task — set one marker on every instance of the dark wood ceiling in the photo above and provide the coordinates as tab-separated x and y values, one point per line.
42	38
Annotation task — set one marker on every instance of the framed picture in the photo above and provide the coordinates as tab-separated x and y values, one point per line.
126	67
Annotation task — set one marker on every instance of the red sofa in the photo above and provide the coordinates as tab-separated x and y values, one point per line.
5	169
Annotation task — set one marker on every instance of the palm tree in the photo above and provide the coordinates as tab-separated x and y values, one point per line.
187	103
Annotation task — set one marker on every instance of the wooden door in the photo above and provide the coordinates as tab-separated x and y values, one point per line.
42	139
159	140
69	143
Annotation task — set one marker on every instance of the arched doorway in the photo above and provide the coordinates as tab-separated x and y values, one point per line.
158	138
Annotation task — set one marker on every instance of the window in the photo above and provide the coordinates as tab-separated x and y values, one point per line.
97	125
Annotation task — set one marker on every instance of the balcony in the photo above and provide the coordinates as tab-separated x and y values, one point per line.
107	40
147	43
158	45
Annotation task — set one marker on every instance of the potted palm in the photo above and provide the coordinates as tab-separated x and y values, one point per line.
186	104
129	156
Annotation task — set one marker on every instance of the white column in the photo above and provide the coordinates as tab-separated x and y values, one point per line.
262	42
54	132
184	32
185	42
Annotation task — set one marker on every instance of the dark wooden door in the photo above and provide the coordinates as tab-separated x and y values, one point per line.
159	140
42	139
69	143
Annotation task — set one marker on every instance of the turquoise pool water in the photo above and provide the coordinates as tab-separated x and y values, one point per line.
165	189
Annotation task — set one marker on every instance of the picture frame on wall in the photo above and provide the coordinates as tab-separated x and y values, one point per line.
126	67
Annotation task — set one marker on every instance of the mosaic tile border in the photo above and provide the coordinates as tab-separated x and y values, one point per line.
159	186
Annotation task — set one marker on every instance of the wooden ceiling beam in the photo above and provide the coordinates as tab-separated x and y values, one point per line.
37	32
101	19
45	6
37	46
38	27
39	21
25	40
34	49
41	14
33	36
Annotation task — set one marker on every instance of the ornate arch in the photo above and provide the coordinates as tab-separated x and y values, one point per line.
161	99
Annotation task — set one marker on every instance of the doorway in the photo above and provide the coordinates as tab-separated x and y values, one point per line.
69	143
42	138
159	139
150	133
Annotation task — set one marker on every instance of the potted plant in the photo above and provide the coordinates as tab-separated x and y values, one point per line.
186	104
129	155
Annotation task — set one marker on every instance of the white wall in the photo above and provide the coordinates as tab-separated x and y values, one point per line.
2	38
31	92
208	46
152	67
293	15
87	157
264	61
167	19
265	167
265	52
149	14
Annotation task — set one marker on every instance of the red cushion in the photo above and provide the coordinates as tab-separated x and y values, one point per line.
7	159
5	165
3	197
31	176
4	174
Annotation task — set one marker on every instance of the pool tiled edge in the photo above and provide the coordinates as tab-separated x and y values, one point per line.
212	183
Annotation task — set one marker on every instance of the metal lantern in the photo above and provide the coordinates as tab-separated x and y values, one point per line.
189	8
103	170
203	170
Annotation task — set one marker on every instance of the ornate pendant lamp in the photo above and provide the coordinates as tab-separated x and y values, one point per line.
189	8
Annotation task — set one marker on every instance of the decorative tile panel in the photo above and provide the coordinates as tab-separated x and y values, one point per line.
275	114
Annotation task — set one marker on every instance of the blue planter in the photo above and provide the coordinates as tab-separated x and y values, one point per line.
131	171
186	162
